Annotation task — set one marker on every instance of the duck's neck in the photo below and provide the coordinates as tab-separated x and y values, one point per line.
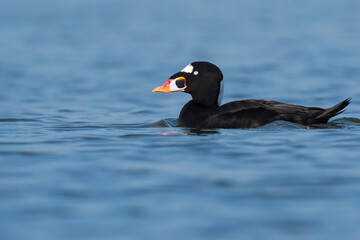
209	96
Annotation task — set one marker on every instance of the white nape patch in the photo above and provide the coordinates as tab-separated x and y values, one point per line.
174	87
221	92
196	73
188	69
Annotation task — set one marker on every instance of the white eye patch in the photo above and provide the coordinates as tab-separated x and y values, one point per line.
174	87
188	69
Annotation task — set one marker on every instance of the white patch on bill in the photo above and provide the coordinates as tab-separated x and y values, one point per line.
188	69
221	92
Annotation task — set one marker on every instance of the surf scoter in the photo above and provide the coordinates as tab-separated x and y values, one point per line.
204	81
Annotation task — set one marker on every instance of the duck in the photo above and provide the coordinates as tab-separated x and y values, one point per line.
204	82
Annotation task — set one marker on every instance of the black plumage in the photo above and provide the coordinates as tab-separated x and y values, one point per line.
203	82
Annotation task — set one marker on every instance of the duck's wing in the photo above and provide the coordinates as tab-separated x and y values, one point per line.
243	118
308	115
256	112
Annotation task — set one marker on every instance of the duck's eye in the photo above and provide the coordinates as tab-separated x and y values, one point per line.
180	83
196	72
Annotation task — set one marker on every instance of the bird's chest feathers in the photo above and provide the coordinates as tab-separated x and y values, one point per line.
193	114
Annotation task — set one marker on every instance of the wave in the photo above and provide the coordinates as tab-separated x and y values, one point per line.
345	122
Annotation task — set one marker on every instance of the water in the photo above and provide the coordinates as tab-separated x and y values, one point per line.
87	151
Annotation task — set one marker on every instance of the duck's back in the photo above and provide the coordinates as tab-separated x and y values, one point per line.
253	113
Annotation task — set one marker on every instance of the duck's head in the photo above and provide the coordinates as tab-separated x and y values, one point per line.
203	80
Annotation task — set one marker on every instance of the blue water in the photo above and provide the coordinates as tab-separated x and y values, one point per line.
87	151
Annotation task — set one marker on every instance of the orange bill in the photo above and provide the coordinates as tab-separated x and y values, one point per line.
163	88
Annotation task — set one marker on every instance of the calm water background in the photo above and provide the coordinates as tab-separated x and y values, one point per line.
87	151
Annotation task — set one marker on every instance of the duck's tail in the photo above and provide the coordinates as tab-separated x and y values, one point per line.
332	111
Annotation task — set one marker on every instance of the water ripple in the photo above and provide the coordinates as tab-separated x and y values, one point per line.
18	120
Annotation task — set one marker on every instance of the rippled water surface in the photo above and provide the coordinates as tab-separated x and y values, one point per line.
87	151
